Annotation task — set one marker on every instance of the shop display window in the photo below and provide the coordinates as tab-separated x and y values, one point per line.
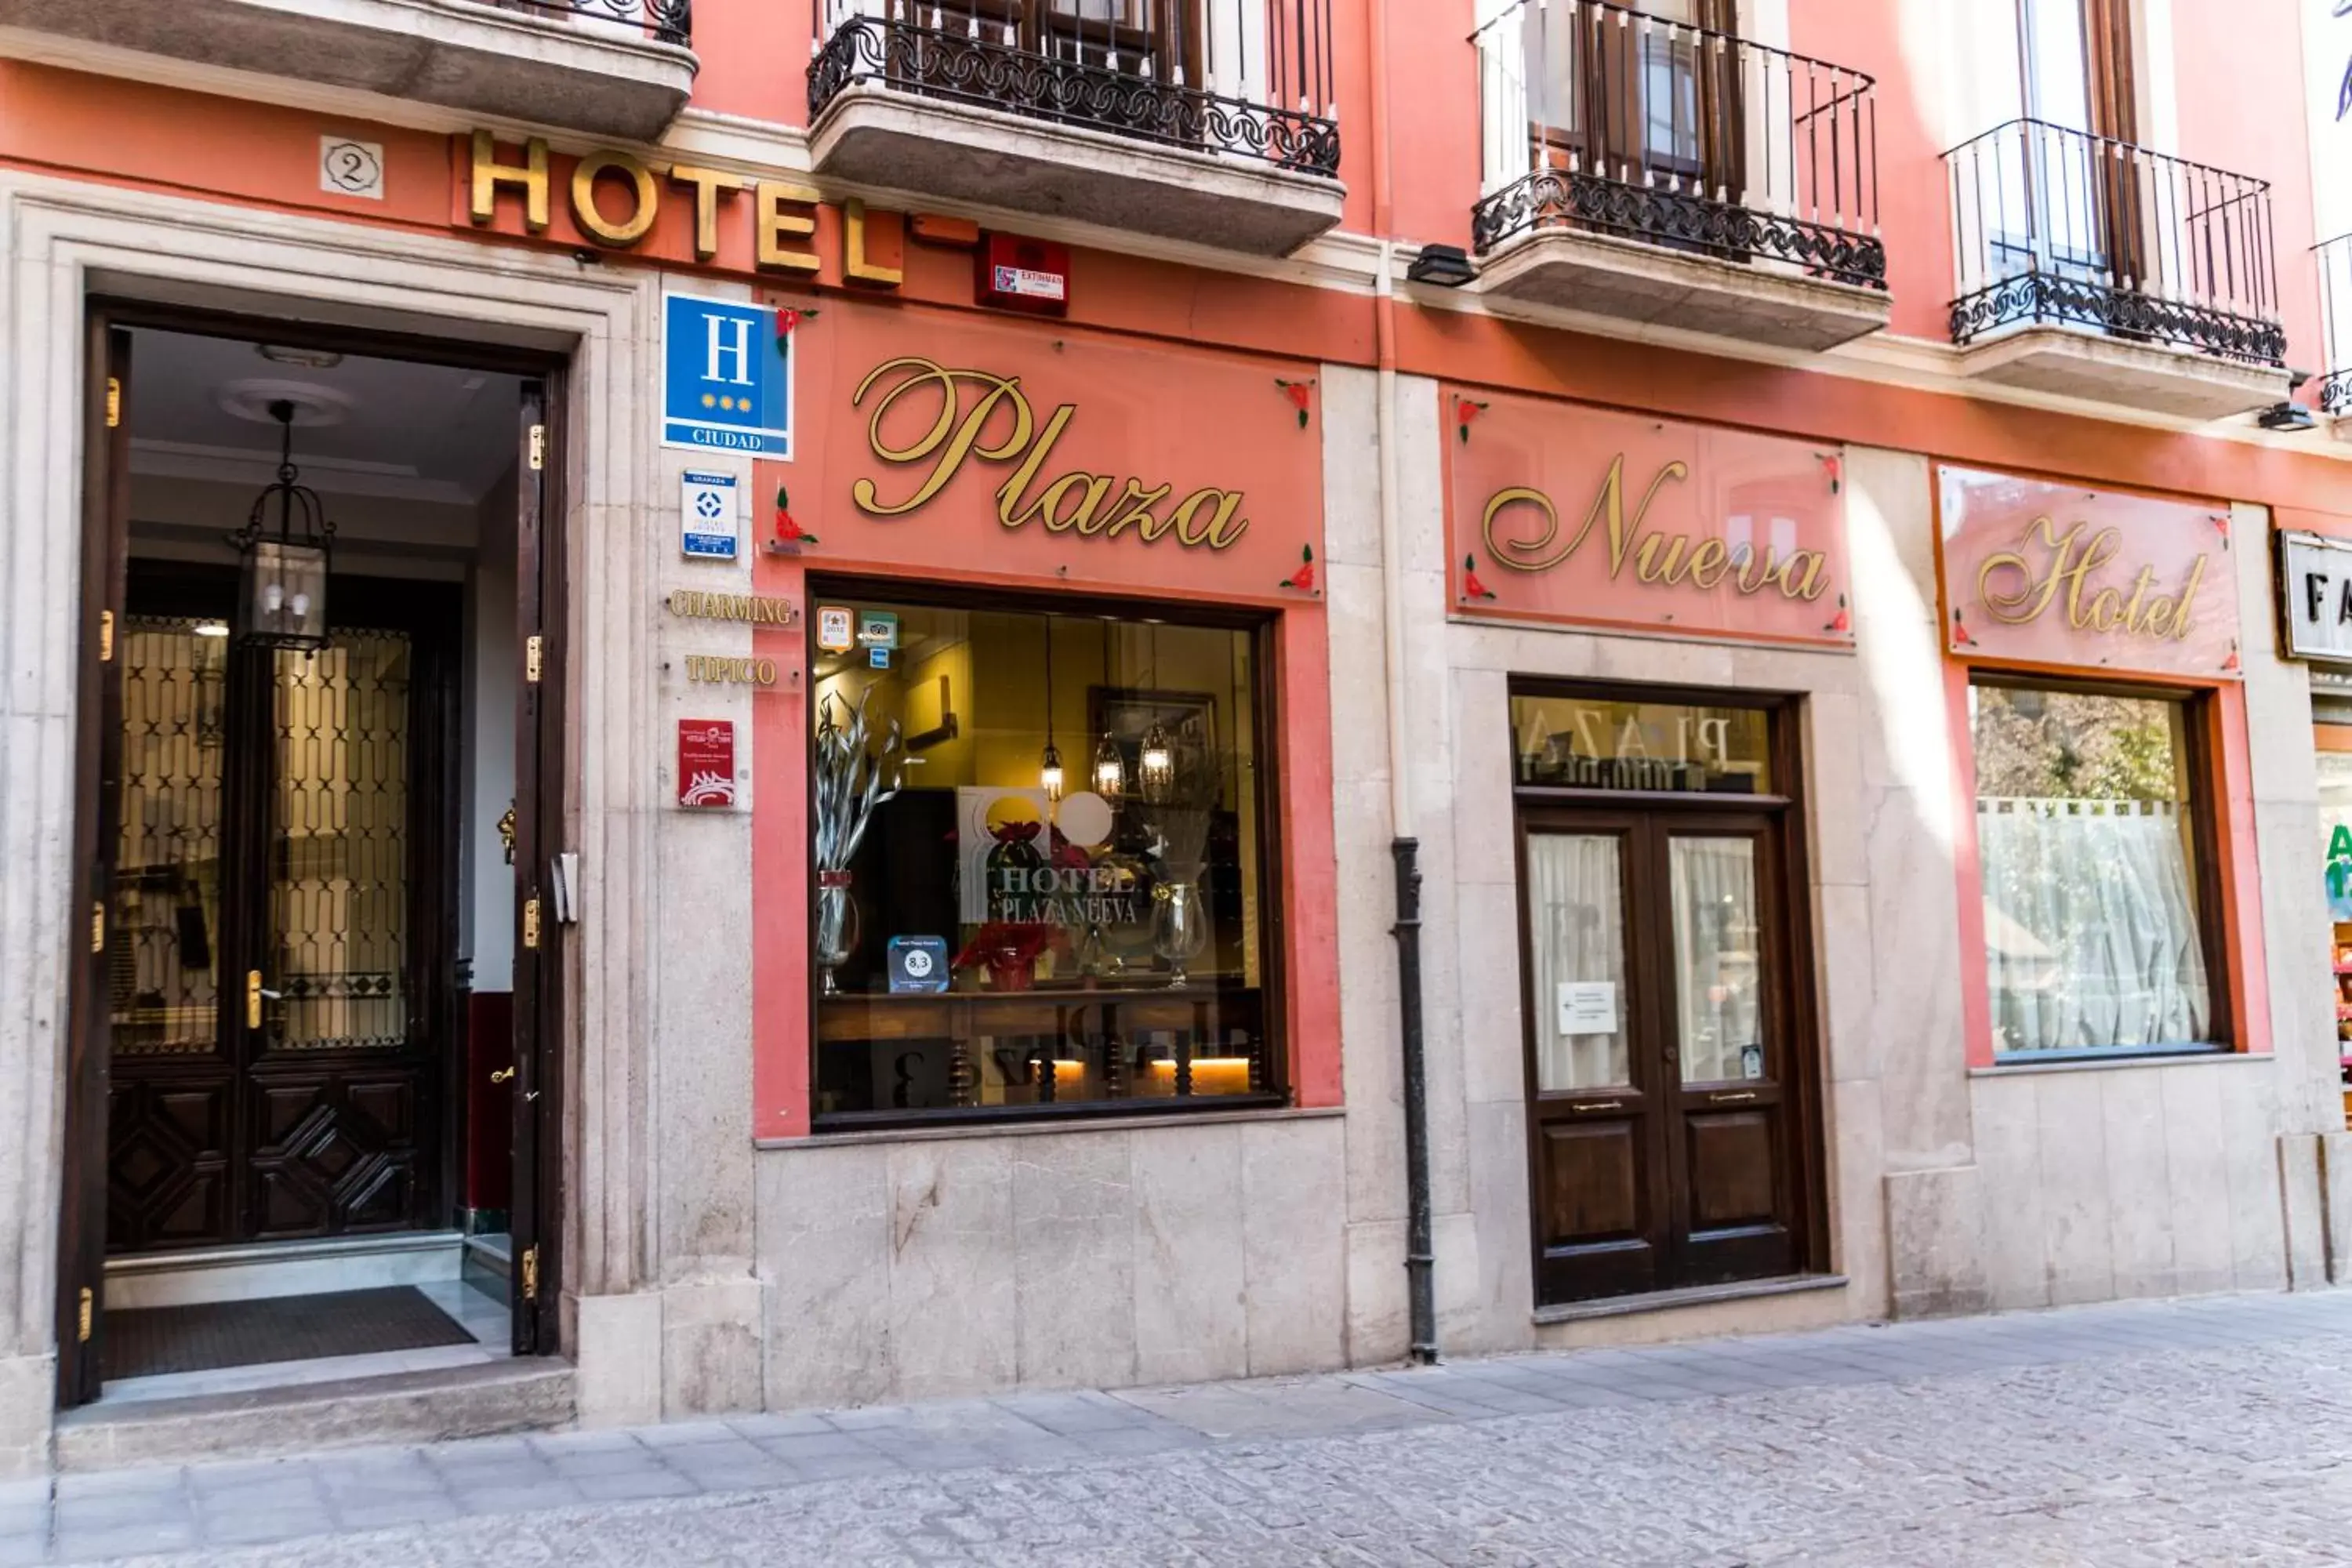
2335	761
1042	860
2095	845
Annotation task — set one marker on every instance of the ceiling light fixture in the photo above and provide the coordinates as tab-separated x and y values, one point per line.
309	358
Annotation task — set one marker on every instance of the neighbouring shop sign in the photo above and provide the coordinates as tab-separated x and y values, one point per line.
1586	517
2315	596
2058	575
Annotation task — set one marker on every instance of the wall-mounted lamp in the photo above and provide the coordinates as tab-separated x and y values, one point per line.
1445	266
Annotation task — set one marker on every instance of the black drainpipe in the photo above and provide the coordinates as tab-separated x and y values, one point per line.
1419	1247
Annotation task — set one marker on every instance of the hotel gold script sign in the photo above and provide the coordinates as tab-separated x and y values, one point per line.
1587	517
2018	587
2056	575
934	421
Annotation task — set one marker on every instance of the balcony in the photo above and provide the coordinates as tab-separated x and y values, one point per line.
2098	269
1202	120
1659	173
2334	395
621	69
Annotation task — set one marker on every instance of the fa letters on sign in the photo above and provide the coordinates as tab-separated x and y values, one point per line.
2316	587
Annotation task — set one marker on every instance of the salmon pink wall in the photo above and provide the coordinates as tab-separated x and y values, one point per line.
755	57
2227	121
1433	114
1914	196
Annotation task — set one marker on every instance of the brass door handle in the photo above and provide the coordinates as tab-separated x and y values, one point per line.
502	1075
1596	1105
253	998
1739	1098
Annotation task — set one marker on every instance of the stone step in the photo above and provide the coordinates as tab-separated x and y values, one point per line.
398	1407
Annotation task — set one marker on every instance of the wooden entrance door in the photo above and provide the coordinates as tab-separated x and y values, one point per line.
1660	1048
278	994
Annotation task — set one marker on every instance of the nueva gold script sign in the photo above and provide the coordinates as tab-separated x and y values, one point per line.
1657	555
1591	518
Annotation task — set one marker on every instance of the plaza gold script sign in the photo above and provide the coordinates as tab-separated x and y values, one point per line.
943	419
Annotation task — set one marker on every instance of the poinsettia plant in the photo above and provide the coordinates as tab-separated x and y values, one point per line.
1009	951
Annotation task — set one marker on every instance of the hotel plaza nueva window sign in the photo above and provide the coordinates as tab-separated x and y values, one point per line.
2057	576
1582	515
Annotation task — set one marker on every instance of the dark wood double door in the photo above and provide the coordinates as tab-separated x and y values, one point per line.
1666	1112
278	970
262	1041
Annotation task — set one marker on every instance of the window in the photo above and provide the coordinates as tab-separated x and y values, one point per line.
1562	741
2095	844
995	938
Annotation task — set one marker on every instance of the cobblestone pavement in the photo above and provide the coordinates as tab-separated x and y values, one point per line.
2213	1431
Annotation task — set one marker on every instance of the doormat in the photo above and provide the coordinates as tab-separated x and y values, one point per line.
205	1336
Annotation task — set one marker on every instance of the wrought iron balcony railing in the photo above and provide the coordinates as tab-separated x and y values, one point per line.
1600	118
664	21
2335	319
2062	227
1239	77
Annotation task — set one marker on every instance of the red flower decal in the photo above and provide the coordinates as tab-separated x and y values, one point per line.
790	534
1466	410
1960	632
1303	580
786	320
1301	394
1835	468
1470	587
1842	622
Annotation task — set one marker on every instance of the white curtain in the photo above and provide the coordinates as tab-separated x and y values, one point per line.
2090	926
1717	957
1577	919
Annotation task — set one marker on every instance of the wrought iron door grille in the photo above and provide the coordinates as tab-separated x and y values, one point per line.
164	963
1600	118
1135	68
2060	227
339	827
664	21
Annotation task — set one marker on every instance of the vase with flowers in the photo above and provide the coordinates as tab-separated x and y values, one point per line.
852	779
1008	952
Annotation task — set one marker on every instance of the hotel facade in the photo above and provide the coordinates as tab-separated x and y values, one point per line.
776	704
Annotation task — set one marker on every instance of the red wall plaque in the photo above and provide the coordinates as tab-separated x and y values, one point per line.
705	761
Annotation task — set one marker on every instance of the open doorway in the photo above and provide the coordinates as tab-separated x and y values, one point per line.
305	1101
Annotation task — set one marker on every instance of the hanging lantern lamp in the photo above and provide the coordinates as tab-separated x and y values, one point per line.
282	572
